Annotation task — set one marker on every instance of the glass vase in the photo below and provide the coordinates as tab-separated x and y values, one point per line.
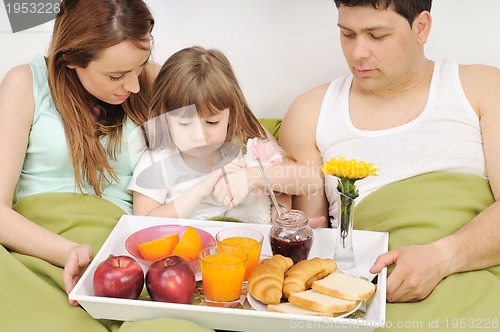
344	253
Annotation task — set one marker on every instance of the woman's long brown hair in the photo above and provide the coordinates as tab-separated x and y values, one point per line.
83	29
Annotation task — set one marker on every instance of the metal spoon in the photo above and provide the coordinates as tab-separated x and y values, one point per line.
269	188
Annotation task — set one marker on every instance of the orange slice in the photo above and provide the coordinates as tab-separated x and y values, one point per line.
189	245
159	248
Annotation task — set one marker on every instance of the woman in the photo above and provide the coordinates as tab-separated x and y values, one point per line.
65	126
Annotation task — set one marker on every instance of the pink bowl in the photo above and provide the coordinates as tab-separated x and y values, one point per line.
155	232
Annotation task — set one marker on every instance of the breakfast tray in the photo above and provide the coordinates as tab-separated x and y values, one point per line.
367	246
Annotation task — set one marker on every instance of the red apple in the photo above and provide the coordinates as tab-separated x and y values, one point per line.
171	279
120	277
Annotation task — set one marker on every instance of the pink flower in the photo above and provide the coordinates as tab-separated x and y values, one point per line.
269	152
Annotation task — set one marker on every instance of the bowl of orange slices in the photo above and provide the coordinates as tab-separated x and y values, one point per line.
153	243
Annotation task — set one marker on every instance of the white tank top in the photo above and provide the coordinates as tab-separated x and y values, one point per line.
445	137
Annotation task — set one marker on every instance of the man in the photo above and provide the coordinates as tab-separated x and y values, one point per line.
411	117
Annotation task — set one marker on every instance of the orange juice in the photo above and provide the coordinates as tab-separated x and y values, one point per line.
247	239
222	272
252	248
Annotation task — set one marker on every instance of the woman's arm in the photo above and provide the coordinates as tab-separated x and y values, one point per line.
18	233
16	116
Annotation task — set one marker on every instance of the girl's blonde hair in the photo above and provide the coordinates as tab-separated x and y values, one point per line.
83	29
203	78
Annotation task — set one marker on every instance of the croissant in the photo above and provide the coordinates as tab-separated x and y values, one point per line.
301	276
329	266
265	283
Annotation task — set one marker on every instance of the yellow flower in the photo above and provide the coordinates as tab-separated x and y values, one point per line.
350	169
348	172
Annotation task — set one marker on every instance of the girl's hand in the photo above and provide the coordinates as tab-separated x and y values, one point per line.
232	188
235	165
77	261
206	186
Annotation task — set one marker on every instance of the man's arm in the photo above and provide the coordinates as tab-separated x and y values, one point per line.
298	138
476	245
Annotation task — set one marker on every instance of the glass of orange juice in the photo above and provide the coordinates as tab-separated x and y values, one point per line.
222	273
247	239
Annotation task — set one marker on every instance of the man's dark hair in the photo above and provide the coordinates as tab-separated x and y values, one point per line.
409	9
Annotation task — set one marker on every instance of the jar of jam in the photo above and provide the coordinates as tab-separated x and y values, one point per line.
291	235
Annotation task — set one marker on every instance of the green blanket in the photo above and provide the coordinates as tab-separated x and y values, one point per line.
423	209
32	293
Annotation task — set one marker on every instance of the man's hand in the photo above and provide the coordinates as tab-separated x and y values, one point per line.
318	222
417	271
77	261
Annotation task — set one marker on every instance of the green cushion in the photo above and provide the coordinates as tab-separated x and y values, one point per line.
272	125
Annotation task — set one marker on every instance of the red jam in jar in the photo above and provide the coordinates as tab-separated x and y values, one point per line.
291	235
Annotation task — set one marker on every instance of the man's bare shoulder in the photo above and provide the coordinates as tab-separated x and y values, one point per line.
475	71
302	117
304	111
311	100
481	84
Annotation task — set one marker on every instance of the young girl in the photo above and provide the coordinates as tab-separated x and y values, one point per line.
200	123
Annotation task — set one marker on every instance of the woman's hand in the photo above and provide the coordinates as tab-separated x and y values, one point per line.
77	261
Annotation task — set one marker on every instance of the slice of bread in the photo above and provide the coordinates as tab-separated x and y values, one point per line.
290	308
345	286
313	300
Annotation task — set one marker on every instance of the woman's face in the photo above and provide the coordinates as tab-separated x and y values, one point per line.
114	75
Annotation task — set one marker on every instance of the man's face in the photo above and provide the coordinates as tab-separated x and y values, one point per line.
379	46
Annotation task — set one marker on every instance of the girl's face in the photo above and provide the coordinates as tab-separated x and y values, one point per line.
196	136
113	76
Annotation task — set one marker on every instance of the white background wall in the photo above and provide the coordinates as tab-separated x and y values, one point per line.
280	48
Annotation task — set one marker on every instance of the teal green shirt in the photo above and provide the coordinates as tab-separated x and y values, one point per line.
47	166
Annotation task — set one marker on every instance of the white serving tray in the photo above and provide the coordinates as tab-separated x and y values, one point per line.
367	246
